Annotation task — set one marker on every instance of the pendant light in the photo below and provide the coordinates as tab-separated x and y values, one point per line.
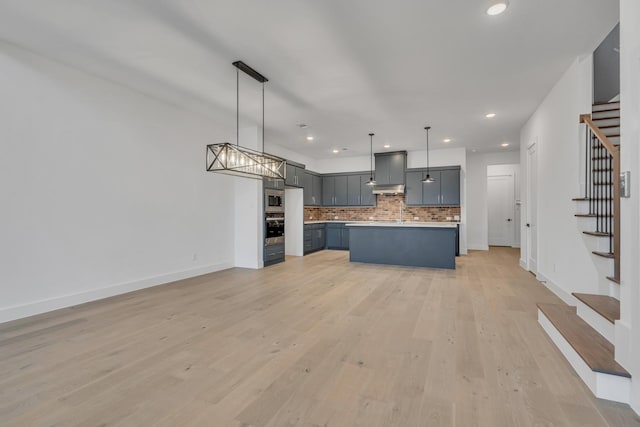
240	161
372	181
428	178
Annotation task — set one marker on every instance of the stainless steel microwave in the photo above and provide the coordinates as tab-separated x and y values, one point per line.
274	201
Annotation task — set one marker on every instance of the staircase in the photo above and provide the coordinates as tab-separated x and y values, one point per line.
585	334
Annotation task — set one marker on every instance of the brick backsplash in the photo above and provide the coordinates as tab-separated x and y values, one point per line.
387	208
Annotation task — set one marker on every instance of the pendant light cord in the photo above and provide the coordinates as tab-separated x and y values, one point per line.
237	107
371	154
262	117
428	169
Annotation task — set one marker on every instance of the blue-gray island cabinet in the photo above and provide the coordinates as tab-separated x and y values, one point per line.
408	244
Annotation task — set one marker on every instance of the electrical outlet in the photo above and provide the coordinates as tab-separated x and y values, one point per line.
336	217
449	218
370	218
416	218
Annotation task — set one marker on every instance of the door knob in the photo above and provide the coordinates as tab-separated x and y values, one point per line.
528	225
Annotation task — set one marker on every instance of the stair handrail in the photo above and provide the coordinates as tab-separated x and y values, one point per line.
614	151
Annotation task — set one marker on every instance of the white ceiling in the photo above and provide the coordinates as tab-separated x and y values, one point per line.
345	68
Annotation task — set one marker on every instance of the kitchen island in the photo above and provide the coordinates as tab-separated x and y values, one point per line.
426	244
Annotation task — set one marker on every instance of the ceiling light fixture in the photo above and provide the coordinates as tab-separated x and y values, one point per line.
428	178
505	144
386	146
490	115
236	160
496	7
336	151
310	138
303	126
372	181
447	140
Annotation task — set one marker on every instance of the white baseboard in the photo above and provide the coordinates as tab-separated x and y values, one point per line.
477	247
43	306
603	386
560	293
623	344
523	264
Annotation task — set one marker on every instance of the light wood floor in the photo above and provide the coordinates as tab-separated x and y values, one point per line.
315	341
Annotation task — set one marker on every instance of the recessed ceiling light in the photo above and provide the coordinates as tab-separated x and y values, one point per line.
310	138
386	146
447	140
303	126
490	115
496	7
505	144
473	150
336	151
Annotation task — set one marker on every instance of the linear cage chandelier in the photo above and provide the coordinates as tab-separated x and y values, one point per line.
233	159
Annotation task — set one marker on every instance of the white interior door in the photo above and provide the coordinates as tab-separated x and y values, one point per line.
501	210
532	208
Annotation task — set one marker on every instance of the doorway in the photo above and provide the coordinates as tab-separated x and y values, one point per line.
501	192
532	208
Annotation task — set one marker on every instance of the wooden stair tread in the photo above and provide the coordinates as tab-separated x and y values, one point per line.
605	103
592	216
606	306
609	109
592	347
608	255
597	233
588	199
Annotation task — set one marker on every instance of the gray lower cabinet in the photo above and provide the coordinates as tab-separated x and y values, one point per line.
314	237
337	236
273	254
444	191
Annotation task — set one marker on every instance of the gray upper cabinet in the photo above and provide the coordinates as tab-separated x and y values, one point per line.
390	167
328	184
445	191
295	176
334	190
414	188
353	190
347	190
450	187
312	189
431	190
340	190
367	198
308	189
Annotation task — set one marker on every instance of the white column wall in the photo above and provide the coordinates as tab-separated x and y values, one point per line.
565	261
103	190
628	328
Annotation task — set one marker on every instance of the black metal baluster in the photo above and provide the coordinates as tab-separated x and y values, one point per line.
611	204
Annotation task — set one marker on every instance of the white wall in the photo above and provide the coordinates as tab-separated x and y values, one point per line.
294	224
477	196
103	190
564	256
628	328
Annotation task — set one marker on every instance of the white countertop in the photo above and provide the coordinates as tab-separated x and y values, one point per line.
446	224
405	224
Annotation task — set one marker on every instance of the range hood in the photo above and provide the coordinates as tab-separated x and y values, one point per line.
388	189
